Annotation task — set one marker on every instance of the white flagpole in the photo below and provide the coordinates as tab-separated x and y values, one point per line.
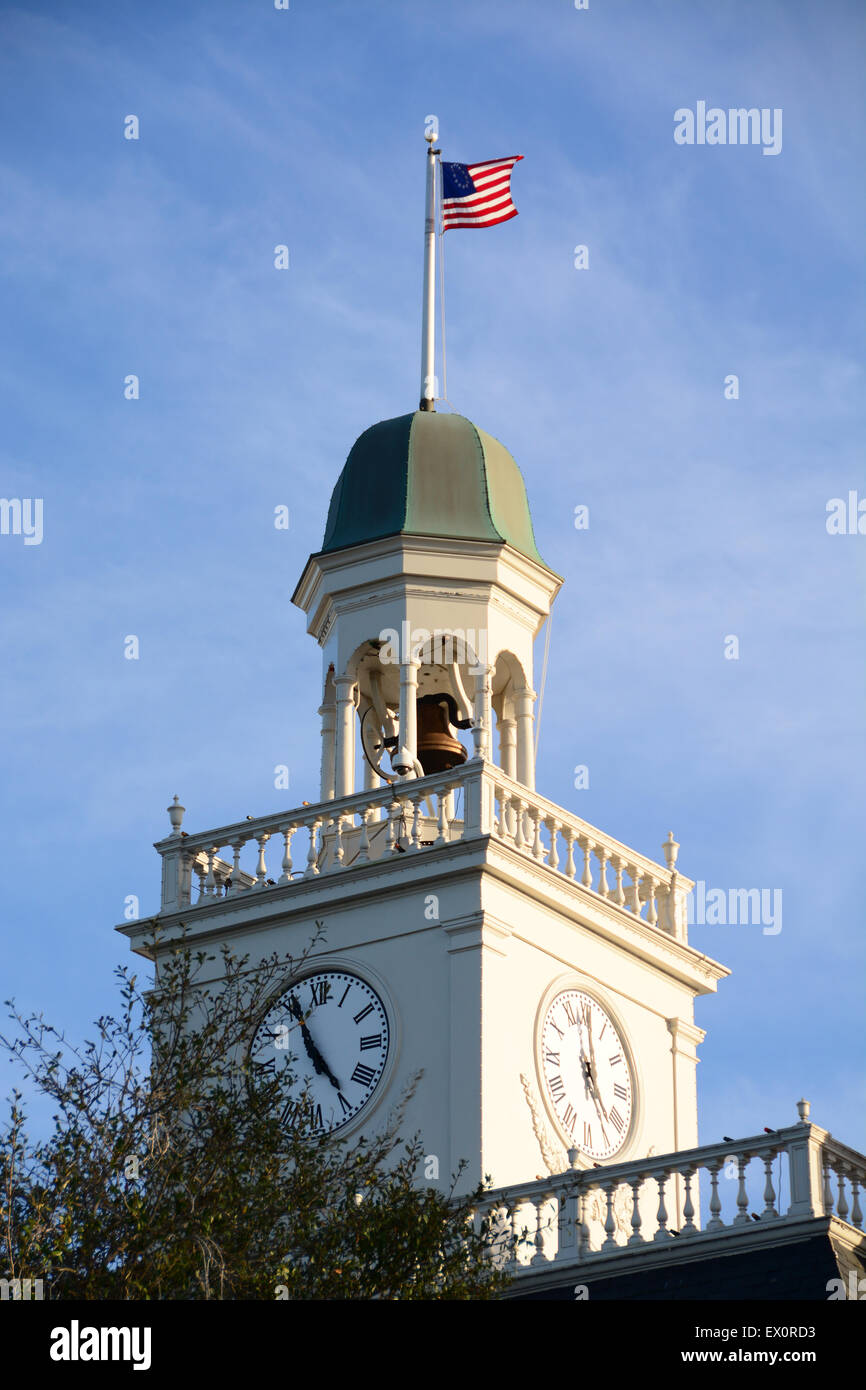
428	329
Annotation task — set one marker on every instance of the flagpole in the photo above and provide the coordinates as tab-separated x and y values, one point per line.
428	328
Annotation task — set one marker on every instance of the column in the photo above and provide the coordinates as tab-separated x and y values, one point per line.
508	746
525	700
408	737
328	714
344	779
482	713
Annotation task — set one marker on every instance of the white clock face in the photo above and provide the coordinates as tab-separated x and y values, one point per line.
586	1074
334	1028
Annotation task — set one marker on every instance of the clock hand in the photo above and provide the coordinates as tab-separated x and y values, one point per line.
319	1064
595	1092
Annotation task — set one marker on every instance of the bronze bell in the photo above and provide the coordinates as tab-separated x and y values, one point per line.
438	749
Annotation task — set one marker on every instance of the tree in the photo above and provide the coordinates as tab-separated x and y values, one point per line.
169	1175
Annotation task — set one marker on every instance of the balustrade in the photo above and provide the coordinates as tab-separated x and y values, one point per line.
527	824
583	1215
407	817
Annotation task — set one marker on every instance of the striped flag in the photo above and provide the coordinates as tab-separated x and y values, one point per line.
477	195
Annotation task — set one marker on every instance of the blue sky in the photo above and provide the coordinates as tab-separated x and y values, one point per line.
707	516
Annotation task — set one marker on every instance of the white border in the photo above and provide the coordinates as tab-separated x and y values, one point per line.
571	979
348	966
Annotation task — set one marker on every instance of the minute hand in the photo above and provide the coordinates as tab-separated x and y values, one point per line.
595	1091
320	1066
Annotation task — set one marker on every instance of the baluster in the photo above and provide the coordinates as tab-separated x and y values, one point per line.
339	853
201	873
442	820
513	1237
210	880
536	821
584	1245
742	1216
769	1213
636	1238
689	1228
634	890
363	856
570	867
856	1209
415	829
519	808
539	1257
618	892
568	1229
842	1204
261	870
553	857
662	1215
651	911
587	846
827	1194
313	851
237	846
603	885
501	824
609	1242
391	836
286	875
714	1223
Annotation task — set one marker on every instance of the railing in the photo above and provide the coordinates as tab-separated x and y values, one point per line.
580	1216
338	835
409	817
552	836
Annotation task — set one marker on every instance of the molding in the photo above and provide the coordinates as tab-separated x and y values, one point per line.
681	1030
555	1157
478	930
705	1246
679	960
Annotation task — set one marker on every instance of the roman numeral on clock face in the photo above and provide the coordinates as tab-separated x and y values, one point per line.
587	1135
372	1040
344	1104
617	1057
557	1089
620	1090
359	1017
570	1014
617	1119
320	990
552	1057
569	1119
363	1075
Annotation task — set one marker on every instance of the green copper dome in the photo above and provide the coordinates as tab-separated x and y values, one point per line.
429	475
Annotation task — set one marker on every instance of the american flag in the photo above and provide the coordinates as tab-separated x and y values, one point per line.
477	195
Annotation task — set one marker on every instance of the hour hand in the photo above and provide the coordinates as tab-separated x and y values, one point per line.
321	1065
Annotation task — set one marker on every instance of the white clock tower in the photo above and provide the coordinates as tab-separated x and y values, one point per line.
535	971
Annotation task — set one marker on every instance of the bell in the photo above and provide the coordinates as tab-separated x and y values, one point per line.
438	749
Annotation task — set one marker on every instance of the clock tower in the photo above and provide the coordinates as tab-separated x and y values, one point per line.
531	972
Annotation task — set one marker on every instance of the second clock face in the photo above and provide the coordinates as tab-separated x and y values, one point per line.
335	1028
586	1074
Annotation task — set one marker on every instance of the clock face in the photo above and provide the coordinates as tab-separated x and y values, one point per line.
586	1074
334	1028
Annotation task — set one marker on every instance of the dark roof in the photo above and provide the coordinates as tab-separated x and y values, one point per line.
429	474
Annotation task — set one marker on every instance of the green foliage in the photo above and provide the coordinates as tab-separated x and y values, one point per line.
168	1174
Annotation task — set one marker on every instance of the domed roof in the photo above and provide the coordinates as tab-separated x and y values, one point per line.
428	474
